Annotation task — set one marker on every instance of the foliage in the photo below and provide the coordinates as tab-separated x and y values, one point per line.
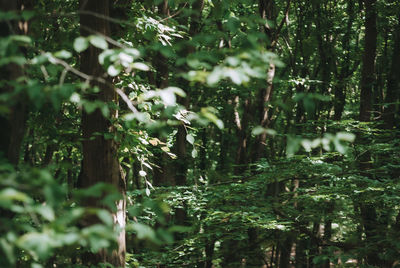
236	129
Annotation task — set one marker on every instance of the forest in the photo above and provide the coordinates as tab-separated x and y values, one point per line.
200	133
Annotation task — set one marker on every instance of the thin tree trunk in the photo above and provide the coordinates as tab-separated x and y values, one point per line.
340	89
393	83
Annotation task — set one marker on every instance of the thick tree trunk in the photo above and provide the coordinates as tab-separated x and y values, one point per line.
368	67
100	155
14	124
286	250
368	210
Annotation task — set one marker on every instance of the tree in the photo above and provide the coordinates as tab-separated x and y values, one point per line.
100	151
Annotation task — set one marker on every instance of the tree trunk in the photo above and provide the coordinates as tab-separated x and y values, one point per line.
340	88
100	155
368	211
286	250
14	124
368	68
393	83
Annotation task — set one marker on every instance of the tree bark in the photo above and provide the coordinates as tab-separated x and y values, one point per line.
368	211
14	124
368	67
340	88
100	155
393	83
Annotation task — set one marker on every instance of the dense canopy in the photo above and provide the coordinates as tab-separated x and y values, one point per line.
199	133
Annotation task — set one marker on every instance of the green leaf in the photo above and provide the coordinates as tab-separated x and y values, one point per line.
105	217
194	153
63	54
346	136
46	212
21	38
140	66
98	41
258	130
190	138
81	44
27	14
113	71
177	91
12	194
168	97
307	145
143	231
8	250
40	245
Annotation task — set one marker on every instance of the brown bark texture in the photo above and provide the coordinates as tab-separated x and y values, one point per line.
15	123
393	83
100	154
368	66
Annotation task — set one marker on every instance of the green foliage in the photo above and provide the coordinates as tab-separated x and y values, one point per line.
236	126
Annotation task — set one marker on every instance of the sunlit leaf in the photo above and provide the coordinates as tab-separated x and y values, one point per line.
81	44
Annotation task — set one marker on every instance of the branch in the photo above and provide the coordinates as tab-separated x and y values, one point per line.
278	31
127	100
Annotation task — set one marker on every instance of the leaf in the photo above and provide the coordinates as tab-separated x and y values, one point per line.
98	41
113	71
190	138
124	57
292	146
12	194
21	38
149	184
8	250
258	130
143	231
81	44
140	66
165	149
154	142
167	97
177	91
132	51
306	145
212	117
105	217
46	212
63	54
346	136
40	245
194	153
27	14
234	75
214	77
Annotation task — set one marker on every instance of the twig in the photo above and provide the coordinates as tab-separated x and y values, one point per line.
127	101
107	38
174	15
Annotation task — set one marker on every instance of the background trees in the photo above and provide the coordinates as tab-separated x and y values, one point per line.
199	133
